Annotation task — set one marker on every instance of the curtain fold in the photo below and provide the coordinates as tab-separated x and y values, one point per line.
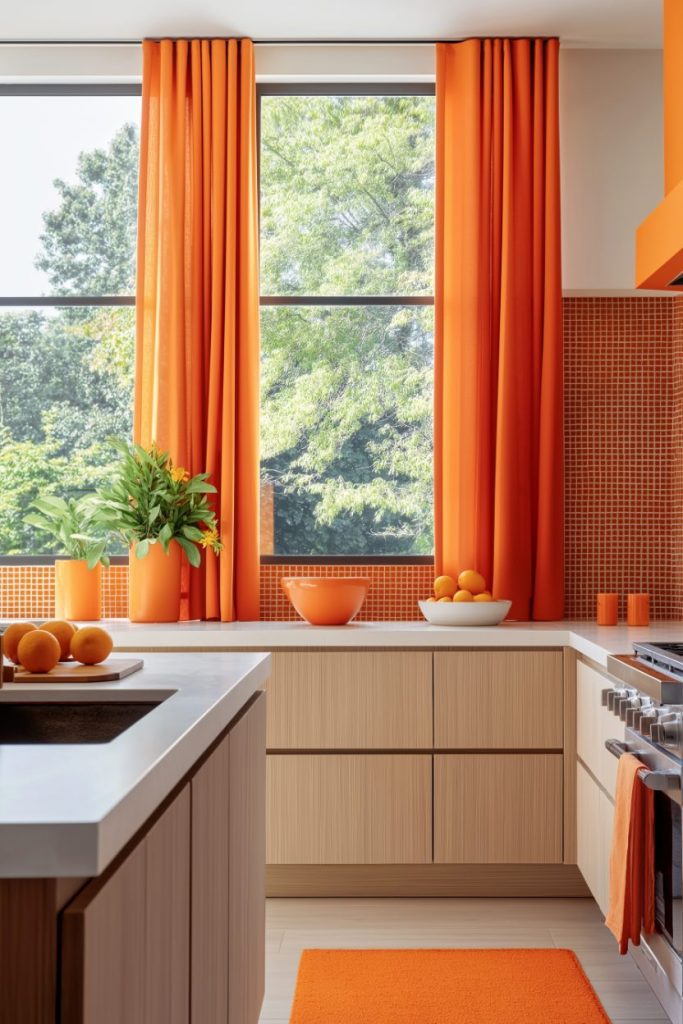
498	419
197	345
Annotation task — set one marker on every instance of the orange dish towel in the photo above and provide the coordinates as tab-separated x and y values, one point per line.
631	865
444	986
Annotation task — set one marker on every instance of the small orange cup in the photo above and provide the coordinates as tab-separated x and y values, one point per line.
608	609
638	610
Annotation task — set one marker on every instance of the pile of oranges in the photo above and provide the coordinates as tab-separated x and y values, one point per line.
470	586
39	649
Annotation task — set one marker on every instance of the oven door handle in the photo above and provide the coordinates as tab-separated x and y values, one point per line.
662	782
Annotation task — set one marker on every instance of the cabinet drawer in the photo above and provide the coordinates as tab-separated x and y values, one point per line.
350	701
498	808
498	700
594	725
349	808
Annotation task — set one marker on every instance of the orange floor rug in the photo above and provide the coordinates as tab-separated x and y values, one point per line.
444	986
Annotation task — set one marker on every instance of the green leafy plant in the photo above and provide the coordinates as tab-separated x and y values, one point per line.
152	501
70	522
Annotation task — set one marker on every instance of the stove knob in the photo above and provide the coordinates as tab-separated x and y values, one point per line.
622	701
634	716
648	720
666	729
617	695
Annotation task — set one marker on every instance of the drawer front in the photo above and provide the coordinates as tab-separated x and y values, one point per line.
498	808
498	700
350	701
594	725
349	809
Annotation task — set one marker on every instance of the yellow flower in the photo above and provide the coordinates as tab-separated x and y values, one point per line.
210	538
179	475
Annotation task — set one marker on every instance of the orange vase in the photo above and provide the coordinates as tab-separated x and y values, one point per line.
154	584
78	590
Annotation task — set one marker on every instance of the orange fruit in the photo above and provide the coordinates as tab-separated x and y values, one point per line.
444	586
91	645
431	599
38	650
471	580
12	636
63	631
483	597
440	599
463	595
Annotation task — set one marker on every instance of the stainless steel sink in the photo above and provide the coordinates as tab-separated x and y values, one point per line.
69	721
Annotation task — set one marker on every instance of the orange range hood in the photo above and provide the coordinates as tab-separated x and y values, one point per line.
659	239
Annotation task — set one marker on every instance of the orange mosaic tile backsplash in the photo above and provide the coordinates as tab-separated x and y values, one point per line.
624	480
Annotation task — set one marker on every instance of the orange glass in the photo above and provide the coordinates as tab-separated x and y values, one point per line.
638	610
608	609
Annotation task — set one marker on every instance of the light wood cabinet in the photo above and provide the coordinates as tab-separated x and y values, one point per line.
595	813
595	724
349	809
498	700
498	808
174	931
125	939
350	700
228	876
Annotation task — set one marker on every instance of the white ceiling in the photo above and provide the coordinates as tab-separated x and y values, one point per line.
595	23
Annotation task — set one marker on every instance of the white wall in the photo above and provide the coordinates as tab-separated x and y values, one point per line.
612	161
610	113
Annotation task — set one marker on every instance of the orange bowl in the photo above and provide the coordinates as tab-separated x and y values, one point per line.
326	601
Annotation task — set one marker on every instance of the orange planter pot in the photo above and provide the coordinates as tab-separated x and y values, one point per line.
154	585
78	590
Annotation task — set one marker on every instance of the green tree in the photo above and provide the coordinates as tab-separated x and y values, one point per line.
66	374
347	209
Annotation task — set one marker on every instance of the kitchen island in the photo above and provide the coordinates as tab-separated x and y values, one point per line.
132	868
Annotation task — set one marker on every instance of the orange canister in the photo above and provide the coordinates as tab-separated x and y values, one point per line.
638	610
607	609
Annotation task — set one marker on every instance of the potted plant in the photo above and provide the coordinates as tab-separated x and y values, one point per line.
159	511
71	523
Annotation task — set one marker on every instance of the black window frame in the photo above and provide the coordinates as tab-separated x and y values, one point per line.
341	89
43	301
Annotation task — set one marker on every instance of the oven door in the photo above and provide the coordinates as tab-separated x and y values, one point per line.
660	956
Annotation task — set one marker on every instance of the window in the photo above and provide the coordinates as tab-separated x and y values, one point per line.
347	254
68	208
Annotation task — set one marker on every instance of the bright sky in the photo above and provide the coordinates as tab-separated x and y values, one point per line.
43	136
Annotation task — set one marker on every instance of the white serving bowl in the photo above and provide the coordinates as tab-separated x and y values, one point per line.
464	613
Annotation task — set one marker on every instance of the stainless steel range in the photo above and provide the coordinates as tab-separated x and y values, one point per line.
650	702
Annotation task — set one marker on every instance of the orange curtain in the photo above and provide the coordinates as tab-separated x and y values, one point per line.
498	320
197	359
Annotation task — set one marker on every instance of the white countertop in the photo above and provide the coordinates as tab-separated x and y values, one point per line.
67	810
593	641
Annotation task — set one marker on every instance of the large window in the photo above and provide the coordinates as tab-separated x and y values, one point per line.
347	255
68	196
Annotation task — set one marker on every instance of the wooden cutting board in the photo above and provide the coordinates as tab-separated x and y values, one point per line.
74	672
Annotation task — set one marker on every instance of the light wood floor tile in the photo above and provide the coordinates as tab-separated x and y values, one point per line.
297	924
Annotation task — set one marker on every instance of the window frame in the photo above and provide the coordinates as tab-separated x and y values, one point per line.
50	301
340	89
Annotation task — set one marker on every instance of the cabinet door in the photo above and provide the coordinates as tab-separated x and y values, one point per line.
587	830
605	824
349	809
498	808
350	700
498	700
247	852
125	937
228	876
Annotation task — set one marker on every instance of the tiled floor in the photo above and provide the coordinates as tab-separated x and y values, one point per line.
293	925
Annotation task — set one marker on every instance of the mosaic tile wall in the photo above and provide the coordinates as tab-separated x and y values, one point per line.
623	450
624	479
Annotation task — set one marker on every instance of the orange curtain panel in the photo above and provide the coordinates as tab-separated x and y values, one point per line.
498	320
197	357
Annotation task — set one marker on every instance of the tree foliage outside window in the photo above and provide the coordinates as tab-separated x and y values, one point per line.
347	209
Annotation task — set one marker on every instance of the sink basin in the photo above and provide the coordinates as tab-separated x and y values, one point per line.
69	722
